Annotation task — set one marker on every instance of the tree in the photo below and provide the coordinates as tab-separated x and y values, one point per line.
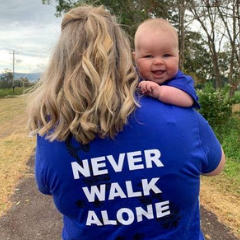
195	57
206	15
181	33
231	10
129	12
6	79
24	82
220	21
197	61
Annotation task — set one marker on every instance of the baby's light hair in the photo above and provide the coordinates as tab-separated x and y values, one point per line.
155	24
88	88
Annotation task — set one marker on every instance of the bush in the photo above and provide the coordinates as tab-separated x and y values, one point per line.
216	107
237	96
231	139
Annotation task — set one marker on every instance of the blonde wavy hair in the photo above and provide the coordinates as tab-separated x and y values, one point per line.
89	85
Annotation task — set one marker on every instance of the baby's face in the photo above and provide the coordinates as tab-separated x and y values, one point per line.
156	55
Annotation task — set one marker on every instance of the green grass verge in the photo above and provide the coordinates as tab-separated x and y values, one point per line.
8	92
232	173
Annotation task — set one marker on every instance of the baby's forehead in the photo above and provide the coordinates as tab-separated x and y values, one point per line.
153	26
157	23
157	33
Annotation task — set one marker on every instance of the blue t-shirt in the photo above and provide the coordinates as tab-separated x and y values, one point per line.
144	184
184	83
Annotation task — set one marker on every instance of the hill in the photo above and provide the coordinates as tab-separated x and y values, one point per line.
32	77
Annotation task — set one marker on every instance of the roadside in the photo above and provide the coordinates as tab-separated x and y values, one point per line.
33	216
15	147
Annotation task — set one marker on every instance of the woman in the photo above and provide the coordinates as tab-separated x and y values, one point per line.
115	170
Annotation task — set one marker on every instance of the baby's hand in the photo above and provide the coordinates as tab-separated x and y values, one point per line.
150	88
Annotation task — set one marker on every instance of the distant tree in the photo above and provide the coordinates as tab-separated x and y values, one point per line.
24	82
6	79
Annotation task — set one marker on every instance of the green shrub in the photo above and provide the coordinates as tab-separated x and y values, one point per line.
237	96
216	107
231	139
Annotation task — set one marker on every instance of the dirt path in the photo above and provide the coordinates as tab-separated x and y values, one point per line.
32	215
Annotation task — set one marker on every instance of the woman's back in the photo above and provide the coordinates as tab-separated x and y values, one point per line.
144	184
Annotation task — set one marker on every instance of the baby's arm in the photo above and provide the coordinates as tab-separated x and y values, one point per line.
166	94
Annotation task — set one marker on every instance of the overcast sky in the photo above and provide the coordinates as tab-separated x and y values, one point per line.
31	30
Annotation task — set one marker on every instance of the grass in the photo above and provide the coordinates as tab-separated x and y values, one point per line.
16	147
221	194
232	171
8	92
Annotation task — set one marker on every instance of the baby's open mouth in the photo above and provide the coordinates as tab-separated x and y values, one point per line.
158	72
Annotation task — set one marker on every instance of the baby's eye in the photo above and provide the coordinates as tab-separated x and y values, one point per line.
167	55
148	56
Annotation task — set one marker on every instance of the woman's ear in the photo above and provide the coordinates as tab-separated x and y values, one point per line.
134	54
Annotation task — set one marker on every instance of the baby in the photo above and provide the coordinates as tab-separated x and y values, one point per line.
157	57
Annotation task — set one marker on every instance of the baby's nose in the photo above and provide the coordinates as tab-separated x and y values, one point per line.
158	61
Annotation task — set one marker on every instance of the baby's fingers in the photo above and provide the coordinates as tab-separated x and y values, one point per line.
142	86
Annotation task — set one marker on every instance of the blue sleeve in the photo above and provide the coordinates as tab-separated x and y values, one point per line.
39	174
186	84
209	144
